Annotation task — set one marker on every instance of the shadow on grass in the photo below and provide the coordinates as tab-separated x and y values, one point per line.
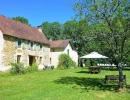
127	68
128	88
87	84
83	72
87	72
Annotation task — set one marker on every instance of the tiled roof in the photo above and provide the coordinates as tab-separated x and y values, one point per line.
20	30
59	43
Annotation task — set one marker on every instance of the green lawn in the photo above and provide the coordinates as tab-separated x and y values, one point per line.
69	84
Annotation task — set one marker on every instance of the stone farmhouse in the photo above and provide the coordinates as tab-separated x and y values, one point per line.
22	43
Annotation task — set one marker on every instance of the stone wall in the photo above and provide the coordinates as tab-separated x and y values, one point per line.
9	52
1	47
46	56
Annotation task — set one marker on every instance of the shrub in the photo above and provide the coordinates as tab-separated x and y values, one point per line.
29	69
87	63
32	68
17	68
65	61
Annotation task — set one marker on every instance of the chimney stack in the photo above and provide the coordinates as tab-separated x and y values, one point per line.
50	39
39	28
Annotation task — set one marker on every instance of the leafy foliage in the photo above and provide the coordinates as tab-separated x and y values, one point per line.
52	30
77	31
111	20
21	19
32	68
102	26
17	68
65	61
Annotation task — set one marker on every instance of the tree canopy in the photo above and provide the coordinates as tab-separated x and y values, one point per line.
110	20
52	30
21	19
75	30
102	25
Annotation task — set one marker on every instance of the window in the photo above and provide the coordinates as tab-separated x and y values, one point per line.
19	43
53	50
29	45
41	47
35	44
18	58
50	60
68	51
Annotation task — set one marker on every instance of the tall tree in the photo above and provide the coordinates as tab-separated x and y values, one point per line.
52	30
111	20
21	19
76	31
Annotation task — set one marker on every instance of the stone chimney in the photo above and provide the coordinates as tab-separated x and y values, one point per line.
39	28
50	39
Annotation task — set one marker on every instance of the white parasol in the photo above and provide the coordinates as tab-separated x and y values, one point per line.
94	55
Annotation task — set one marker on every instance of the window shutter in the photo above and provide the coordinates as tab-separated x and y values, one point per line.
15	59
22	59
29	45
16	42
43	48
39	46
22	44
34	45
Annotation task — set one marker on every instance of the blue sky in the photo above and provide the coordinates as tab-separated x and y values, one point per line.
38	11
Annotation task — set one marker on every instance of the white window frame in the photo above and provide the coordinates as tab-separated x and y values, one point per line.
21	58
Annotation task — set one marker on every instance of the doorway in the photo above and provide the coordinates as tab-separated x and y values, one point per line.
32	60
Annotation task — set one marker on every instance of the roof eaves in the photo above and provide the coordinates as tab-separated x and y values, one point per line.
56	47
27	39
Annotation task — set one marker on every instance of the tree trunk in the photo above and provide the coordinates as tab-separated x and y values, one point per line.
121	83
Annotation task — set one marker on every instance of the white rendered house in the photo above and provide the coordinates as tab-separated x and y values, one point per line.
59	47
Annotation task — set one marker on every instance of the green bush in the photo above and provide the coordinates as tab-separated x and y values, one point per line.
65	61
29	69
32	68
17	68
87	63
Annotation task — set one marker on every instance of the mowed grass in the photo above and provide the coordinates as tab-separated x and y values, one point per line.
69	84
